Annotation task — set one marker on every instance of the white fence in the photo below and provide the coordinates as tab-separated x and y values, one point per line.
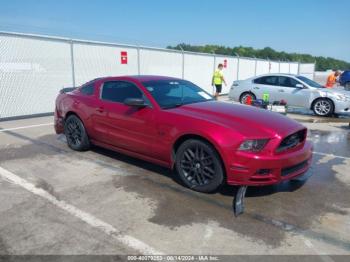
34	68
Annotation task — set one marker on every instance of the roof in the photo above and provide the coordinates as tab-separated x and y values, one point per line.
277	74
141	78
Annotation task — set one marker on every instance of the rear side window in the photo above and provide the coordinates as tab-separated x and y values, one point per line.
87	89
287	81
267	80
118	91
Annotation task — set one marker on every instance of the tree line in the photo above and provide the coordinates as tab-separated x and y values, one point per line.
322	63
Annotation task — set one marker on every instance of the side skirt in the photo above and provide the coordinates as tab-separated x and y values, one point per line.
132	154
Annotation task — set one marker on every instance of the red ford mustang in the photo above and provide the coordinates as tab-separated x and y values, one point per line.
174	123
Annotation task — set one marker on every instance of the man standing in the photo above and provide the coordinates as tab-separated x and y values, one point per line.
218	79
332	79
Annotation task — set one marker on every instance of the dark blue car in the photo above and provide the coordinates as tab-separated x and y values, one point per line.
344	79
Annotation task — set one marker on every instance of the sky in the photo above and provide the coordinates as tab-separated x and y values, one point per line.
317	27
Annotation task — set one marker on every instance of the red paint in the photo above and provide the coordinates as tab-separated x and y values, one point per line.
124	57
150	133
249	100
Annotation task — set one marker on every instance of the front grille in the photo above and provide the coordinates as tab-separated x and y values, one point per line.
289	170
292	141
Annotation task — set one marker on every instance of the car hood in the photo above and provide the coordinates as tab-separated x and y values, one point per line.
332	91
247	120
339	90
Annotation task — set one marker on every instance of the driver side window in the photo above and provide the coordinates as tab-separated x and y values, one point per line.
287	82
118	91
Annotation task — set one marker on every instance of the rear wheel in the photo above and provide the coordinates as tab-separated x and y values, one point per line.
199	166
77	138
323	107
246	96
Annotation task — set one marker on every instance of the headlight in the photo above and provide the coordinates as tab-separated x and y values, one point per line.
254	145
342	98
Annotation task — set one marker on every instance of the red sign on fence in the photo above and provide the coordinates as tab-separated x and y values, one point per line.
124	57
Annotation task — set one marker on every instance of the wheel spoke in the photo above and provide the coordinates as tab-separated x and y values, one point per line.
188	156
201	153
190	152
211	171
203	177
199	179
185	162
207	161
186	167
196	152
207	174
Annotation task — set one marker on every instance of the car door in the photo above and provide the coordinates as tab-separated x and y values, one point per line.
266	84
130	128
293	92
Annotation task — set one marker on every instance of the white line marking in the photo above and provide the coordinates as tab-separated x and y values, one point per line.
323	256
108	229
24	127
335	156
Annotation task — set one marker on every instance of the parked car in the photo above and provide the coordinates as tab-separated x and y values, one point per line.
344	79
296	90
176	124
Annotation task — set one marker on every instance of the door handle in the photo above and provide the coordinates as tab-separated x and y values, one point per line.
100	109
256	87
280	90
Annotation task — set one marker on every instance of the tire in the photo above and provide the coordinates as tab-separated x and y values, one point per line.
77	138
244	96
199	166
323	107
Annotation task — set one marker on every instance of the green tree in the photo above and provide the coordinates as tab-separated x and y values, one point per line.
322	63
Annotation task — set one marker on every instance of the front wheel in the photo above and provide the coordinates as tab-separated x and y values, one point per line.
199	166
323	107
77	138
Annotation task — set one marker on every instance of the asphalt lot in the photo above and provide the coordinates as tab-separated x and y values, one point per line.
56	201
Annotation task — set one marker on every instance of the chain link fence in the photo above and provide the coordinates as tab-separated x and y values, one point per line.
34	68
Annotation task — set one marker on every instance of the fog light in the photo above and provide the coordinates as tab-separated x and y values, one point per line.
263	172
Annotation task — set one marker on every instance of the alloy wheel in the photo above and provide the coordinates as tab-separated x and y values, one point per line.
198	166
74	132
323	107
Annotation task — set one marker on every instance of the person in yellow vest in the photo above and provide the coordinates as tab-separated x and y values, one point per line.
218	79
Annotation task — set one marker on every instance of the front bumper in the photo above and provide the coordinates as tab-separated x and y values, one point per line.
342	106
253	170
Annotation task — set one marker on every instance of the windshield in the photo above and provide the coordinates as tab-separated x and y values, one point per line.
309	82
173	93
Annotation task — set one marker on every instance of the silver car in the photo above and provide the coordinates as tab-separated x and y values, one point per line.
296	90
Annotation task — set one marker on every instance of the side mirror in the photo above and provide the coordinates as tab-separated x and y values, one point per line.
135	102
299	86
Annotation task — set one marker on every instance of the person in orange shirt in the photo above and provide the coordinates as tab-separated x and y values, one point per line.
332	79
